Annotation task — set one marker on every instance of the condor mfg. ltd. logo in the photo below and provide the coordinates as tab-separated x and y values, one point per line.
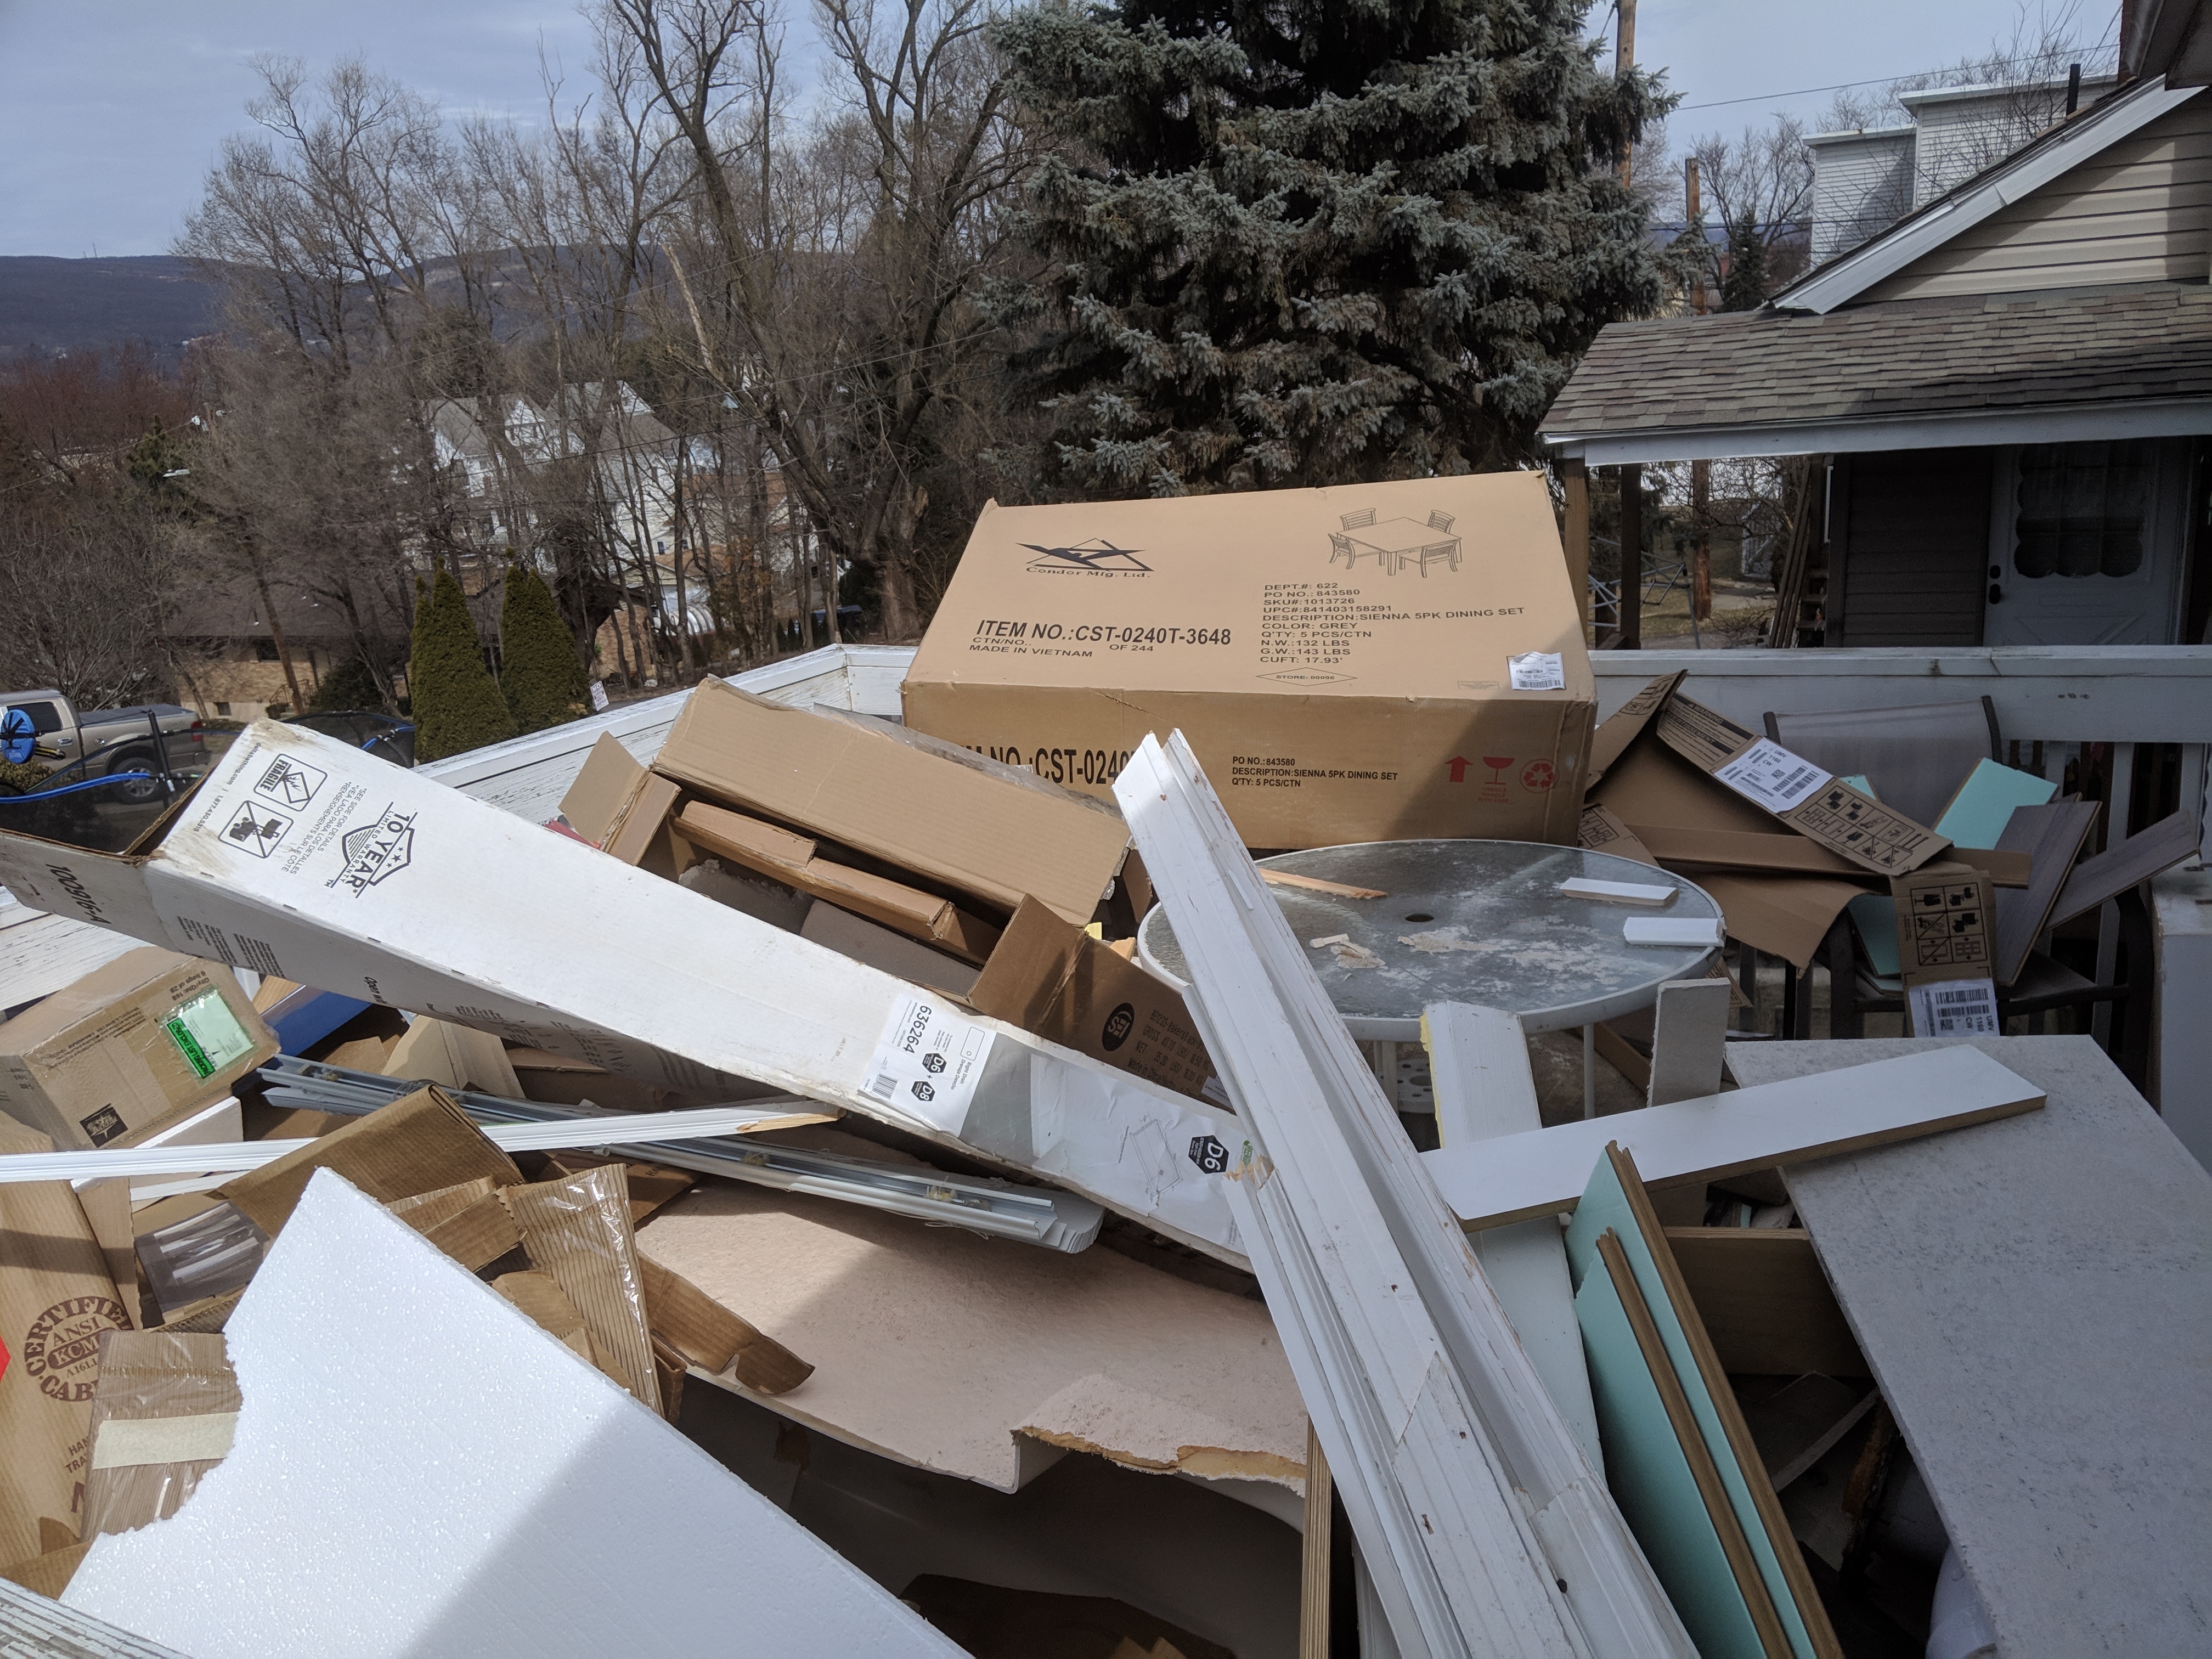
1095	558
375	850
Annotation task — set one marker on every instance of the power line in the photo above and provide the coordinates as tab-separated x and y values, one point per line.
1878	81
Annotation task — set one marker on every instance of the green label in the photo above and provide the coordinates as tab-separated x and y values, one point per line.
208	1034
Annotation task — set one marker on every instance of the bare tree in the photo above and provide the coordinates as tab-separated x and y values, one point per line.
827	275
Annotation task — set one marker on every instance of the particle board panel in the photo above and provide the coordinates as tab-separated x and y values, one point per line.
2051	836
2030	1297
2137	858
1543	1171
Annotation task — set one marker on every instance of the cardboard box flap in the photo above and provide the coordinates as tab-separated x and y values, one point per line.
610	777
1622	728
1024	777
987	835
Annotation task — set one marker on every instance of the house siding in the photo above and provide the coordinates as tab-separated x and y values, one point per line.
1915	541
1862	184
2138	212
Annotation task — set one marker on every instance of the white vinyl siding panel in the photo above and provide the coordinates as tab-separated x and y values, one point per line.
2141	212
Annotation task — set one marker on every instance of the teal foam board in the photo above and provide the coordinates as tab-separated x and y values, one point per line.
1604	1205
1978	814
1649	1478
1874	916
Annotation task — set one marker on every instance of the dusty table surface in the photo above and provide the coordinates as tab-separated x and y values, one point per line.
2035	1298
1480	921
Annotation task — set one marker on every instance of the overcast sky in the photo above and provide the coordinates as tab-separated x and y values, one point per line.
111	111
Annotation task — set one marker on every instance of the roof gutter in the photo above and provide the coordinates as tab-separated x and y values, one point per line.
2062	423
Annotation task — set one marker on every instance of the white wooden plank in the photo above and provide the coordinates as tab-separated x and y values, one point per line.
41	954
1482	1525
483	1492
1544	1171
1689	1041
2032	1296
1479	1061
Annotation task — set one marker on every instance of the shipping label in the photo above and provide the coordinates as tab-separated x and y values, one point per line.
1537	671
1770	774
927	1063
1955	1008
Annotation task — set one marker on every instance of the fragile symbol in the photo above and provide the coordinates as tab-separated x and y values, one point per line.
932	1061
923	1090
1209	1154
290	781
1498	765
258	829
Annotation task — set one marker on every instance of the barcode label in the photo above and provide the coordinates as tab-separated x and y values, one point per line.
1957	1007
1537	671
927	1063
1770	774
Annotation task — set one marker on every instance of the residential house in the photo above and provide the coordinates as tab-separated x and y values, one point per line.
2006	394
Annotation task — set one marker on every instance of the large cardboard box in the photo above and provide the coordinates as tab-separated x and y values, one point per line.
150	1038
310	860
1367	662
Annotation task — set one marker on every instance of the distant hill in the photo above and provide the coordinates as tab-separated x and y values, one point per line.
83	305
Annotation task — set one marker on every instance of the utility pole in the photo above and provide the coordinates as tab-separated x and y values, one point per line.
1624	59
1695	213
1701	473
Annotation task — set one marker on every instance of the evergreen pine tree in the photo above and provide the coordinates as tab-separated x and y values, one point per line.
456	702
1317	242
1744	287
538	673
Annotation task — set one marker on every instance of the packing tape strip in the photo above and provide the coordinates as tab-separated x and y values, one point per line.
126	1442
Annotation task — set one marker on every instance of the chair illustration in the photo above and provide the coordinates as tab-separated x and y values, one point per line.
1343	546
1440	519
1421	556
1360	520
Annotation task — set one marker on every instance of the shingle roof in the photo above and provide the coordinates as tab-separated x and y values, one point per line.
1893	359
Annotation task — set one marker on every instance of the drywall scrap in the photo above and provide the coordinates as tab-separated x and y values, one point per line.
1482	1527
959	1354
419	1470
2031	1298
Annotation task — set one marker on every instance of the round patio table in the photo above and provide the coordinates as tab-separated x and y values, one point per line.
1479	921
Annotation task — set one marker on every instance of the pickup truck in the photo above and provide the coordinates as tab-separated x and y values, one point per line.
107	741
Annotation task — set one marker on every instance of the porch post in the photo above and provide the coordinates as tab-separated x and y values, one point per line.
1574	479
1631	557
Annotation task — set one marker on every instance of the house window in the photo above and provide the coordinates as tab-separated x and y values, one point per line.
223	709
264	651
2084	509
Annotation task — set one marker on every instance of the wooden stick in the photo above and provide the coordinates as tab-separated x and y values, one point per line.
1314	884
1313	1580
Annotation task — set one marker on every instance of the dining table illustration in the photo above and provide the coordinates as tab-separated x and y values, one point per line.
1395	544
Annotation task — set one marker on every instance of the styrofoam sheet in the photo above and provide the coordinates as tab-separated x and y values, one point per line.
420	1470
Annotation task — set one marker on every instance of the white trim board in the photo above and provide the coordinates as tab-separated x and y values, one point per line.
1482	1525
2054	425
1844	278
1544	1171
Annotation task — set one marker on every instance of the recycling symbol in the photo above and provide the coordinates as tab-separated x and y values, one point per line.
932	1061
1209	1154
923	1090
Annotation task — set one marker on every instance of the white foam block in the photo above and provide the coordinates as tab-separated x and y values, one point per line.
1617	892
419	1470
1671	930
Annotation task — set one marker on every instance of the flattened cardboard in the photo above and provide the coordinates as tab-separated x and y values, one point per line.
710	1336
162	1417
1053	979
1601	832
418	1143
1841	818
1946	929
56	1298
1342	661
147	1038
1633	784
881	947
845	781
792	859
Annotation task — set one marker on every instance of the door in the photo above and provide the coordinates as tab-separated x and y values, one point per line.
2085	544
